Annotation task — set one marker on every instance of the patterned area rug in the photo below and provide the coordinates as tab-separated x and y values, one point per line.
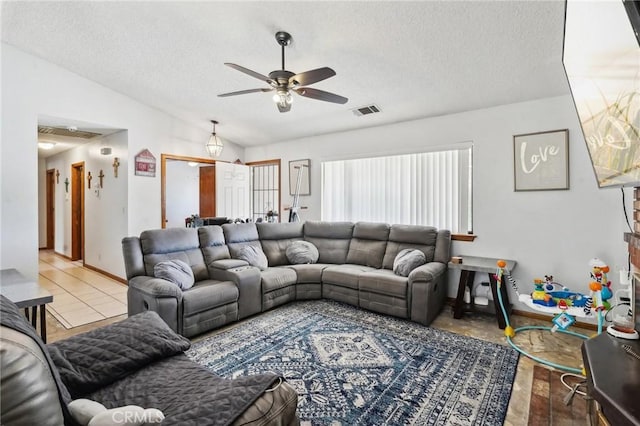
354	367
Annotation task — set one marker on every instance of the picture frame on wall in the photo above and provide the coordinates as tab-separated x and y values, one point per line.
304	166
541	161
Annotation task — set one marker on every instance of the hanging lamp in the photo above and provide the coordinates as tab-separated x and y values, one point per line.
215	145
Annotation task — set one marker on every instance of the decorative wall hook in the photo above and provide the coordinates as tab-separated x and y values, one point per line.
66	185
116	164
101	176
89	177
57	176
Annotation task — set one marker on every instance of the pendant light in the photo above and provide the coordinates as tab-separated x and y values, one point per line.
215	145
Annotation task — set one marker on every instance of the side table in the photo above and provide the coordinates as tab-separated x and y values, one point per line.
468	268
26	294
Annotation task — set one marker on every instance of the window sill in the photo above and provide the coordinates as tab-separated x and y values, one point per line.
463	237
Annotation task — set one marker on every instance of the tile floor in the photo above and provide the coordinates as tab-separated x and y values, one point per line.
83	295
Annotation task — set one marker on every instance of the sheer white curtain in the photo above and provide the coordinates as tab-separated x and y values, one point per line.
430	188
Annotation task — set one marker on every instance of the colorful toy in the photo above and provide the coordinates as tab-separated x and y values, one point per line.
562	302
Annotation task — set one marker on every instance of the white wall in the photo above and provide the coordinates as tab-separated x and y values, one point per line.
31	86
106	210
182	191
547	232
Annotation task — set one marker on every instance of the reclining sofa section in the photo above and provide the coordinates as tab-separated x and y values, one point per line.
355	266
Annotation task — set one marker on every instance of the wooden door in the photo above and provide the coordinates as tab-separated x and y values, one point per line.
77	211
208	191
233	190
50	195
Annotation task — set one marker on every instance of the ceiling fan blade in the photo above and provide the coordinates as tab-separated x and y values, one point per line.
243	92
313	76
321	95
249	72
284	108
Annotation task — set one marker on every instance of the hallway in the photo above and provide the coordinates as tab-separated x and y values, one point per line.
82	298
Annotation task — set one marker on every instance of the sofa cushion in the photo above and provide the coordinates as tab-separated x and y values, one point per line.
344	275
368	244
330	238
207	295
309	272
407	260
278	277
254	256
173	243
402	237
384	281
276	237
299	252
212	243
175	271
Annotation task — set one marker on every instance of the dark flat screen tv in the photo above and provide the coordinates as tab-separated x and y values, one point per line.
601	58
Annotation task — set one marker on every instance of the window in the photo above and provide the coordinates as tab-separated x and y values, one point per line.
429	188
265	190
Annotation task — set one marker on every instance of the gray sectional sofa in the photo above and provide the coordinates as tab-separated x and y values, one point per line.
354	266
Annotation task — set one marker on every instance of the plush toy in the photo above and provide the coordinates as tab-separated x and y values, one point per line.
91	413
600	285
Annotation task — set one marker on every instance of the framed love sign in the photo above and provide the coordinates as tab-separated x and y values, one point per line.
541	161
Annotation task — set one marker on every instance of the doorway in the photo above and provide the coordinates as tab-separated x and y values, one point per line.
77	211
50	197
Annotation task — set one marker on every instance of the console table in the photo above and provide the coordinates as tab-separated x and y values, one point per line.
468	268
613	378
26	294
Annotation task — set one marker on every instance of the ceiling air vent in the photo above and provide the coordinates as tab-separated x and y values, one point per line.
71	132
366	110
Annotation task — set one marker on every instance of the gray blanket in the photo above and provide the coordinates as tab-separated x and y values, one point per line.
99	357
140	361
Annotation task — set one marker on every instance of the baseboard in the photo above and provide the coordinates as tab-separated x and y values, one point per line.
110	275
527	314
93	268
62	255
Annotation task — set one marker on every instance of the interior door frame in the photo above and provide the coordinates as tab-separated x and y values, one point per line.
77	203
163	179
50	208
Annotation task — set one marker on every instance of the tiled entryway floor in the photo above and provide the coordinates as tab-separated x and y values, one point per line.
80	295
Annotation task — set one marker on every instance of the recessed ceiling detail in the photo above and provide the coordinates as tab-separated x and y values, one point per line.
70	132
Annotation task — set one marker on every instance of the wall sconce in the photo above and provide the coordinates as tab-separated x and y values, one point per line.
215	145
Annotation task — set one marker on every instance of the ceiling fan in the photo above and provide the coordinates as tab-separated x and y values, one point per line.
283	82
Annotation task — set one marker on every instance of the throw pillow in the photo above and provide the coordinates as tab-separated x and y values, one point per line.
407	260
175	271
254	256
91	413
299	252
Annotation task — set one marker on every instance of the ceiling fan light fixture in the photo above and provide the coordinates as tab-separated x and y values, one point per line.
214	145
283	97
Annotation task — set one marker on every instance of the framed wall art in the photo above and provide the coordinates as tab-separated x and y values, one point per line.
541	161
302	167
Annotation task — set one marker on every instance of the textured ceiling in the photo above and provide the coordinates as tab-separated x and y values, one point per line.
412	59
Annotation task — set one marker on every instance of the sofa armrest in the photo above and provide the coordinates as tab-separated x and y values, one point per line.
427	272
249	282
156	287
225	264
428	287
